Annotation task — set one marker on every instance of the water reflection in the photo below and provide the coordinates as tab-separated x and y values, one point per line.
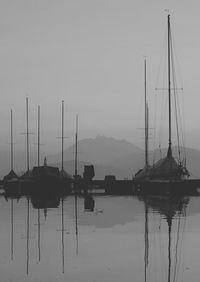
89	203
119	239
169	208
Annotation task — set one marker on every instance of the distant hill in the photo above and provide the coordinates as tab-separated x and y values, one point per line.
100	170
121	158
109	156
104	153
100	150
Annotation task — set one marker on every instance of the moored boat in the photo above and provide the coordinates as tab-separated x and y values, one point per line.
167	175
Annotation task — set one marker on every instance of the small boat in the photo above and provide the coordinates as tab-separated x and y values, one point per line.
167	175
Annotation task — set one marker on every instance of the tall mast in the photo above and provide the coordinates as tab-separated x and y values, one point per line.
146	115
38	135
62	135
147	139
11	137
27	134
76	140
169	86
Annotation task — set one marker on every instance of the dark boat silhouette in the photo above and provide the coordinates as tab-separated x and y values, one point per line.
46	175
44	178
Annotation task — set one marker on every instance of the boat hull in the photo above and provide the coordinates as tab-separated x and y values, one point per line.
168	187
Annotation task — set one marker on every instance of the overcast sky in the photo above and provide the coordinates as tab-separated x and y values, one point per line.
90	53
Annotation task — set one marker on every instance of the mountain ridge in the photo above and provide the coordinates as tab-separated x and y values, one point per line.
108	155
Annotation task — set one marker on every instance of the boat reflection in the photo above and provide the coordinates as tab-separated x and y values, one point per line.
41	201
89	203
170	208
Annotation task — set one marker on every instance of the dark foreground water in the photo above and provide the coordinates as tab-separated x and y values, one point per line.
122	239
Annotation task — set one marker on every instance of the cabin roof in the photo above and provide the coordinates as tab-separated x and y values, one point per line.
10	175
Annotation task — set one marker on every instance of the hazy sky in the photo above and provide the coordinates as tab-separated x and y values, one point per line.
90	53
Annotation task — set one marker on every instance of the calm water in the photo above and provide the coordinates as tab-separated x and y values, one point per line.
122	239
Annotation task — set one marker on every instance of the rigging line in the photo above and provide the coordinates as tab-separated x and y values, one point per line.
181	82
177	61
162	59
162	118
182	134
163	55
175	101
181	127
180	117
154	134
163	96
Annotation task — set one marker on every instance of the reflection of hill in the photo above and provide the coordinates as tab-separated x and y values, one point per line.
108	211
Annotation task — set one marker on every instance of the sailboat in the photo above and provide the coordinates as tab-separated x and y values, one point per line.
167	175
45	178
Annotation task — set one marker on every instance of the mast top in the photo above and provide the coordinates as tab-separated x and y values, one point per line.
169	153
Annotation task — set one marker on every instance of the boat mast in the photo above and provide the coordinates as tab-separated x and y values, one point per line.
38	135
62	135
27	134
169	86
146	116
76	140
11	137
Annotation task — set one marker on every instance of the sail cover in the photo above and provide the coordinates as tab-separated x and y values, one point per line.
167	168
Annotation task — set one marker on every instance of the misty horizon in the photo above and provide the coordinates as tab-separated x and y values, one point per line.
91	56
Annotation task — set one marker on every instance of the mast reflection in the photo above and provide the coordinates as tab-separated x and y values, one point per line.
169	208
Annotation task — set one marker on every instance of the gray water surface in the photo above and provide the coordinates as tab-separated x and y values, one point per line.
125	238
